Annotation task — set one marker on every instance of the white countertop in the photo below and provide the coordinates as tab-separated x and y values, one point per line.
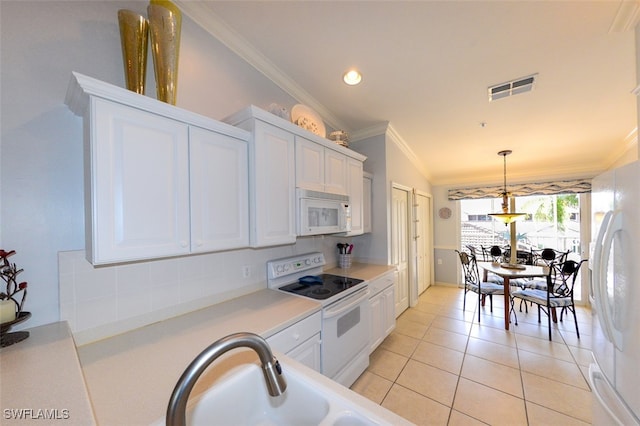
362	271
42	380
129	377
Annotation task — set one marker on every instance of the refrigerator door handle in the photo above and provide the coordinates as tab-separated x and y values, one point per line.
597	267
602	390
606	318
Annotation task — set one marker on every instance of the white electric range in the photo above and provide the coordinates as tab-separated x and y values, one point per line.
345	311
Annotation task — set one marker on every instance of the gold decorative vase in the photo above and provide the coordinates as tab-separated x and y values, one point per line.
165	23
134	33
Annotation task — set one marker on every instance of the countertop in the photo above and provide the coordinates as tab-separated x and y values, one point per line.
42	380
362	271
128	378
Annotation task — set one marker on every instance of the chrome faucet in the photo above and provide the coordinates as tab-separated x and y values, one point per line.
176	411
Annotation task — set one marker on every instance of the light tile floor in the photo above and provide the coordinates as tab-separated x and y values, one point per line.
441	367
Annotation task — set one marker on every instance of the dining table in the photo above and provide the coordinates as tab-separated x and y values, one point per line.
508	272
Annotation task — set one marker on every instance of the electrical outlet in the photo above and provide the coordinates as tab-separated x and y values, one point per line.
246	271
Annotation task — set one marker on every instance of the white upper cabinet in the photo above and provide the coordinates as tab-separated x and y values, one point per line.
219	191
283	156
356	195
309	164
335	172
139	185
319	168
159	181
272	177
273	190
367	188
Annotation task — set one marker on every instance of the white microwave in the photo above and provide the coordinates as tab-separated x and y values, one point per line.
322	213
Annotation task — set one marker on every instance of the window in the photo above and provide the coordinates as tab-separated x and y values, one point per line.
551	221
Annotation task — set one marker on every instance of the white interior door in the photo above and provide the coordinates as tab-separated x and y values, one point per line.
400	245
423	240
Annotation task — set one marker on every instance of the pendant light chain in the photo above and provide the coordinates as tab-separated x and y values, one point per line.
506	217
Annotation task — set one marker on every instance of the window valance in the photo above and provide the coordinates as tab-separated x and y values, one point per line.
575	186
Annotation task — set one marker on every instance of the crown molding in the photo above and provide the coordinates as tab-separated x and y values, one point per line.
387	129
407	151
218	28
626	17
629	147
369	132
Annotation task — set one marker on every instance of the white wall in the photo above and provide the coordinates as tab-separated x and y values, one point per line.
446	237
389	165
373	247
41	142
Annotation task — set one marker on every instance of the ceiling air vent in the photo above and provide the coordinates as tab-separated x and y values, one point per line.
513	87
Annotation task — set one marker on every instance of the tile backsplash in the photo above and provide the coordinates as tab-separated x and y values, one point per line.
99	302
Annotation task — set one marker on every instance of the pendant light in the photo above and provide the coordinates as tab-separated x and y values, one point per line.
506	217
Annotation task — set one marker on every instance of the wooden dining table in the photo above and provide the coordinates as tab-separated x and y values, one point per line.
507	273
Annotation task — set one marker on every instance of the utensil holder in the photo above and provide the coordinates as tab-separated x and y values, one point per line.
344	261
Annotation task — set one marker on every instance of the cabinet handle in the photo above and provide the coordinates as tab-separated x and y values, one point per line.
183	244
199	243
296	336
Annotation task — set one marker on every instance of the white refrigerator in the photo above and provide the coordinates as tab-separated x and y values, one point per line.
615	296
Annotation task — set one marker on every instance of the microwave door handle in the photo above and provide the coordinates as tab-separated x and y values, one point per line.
353	300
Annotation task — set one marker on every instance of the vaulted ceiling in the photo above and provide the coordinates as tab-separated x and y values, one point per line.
427	66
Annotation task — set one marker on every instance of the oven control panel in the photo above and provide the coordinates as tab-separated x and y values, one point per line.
292	265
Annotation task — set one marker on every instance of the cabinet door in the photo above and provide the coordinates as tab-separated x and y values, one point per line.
139	171
272	186
308	353
366	204
377	327
309	165
389	310
219	191
355	188
335	172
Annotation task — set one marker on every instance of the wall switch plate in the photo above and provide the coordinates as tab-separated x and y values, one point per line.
246	271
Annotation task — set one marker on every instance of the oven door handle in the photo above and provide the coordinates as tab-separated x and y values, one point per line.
352	301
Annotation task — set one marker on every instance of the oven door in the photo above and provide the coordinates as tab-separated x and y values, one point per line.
345	337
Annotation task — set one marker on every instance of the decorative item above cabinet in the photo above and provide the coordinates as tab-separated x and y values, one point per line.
275	120
147	192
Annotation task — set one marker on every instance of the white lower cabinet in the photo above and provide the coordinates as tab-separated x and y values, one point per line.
382	302
301	341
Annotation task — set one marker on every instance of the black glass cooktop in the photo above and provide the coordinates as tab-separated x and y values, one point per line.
321	286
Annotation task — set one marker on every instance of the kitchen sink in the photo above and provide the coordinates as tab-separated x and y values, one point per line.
241	398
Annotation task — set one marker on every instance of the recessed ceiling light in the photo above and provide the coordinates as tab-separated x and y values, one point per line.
352	77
